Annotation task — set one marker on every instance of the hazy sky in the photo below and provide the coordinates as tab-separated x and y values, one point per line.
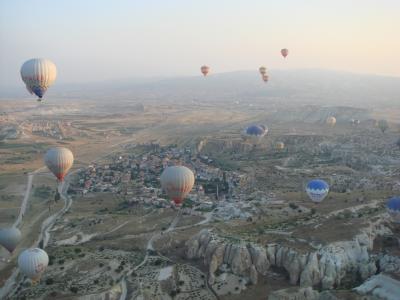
92	40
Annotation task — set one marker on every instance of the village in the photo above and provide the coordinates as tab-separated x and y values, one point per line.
137	179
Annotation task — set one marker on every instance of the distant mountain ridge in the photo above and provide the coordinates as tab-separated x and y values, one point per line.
310	86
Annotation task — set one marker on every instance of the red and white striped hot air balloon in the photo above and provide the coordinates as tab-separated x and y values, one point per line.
205	70
284	52
177	182
59	160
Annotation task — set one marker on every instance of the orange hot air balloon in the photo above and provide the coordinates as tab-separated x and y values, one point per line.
265	78
177	182
284	52
205	70
262	70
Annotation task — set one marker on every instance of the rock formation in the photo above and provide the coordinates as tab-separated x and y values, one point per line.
326	267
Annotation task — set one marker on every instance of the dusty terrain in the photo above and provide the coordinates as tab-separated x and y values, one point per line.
126	242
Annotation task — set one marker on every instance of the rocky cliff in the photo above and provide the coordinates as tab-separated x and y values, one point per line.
325	268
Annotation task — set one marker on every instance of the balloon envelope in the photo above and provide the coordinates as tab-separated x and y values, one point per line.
265	78
204	70
393	208
280	145
331	121
9	238
59	160
177	182
33	262
38	75
257	130
383	125
262	70
317	190
284	52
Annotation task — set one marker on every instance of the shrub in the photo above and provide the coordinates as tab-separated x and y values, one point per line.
49	281
73	289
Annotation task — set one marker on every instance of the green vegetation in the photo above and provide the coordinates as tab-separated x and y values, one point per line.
42	191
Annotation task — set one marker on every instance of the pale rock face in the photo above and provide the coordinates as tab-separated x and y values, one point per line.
259	259
381	286
217	259
295	294
253	275
311	274
389	264
241	260
327	266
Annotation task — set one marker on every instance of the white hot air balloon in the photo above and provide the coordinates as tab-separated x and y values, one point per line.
331	121
59	160
262	70
177	182
38	75
33	262
9	238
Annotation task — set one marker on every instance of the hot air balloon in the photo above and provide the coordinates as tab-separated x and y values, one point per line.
331	121
59	160
177	182
205	70
38	75
33	262
317	190
280	146
256	130
284	52
265	78
383	125
255	133
262	70
393	208
9	238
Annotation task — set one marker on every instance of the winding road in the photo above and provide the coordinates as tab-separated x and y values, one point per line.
47	224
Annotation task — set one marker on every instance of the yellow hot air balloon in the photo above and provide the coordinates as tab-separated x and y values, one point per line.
205	70
331	121
177	182
280	146
59	160
38	75
262	70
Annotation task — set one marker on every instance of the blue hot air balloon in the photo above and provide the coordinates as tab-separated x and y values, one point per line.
393	208
257	130
317	190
